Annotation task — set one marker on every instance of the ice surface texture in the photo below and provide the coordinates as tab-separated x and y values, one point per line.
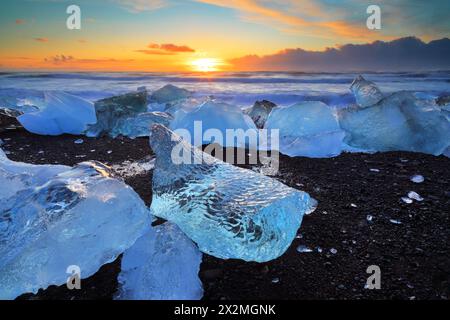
61	113
217	116
366	92
139	126
228	211
399	122
162	265
169	93
260	111
52	217
309	129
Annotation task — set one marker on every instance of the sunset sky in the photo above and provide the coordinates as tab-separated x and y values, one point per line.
198	35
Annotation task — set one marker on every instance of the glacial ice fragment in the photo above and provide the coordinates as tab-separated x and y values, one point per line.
260	112
366	92
417	178
307	129
111	111
169	93
215	118
52	217
139	125
415	196
61	113
399	122
228	211
162	265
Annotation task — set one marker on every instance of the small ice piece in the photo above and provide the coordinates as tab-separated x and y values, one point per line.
369	218
353	205
130	169
375	170
308	129
53	217
303	249
109	151
407	200
214	118
394	221
162	265
169	93
275	280
415	196
417	178
333	250
61	113
366	92
260	111
228	211
319	249
78	141
313	206
111	111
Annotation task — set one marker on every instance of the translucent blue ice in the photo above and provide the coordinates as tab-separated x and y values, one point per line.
169	93
309	129
366	92
61	113
399	122
162	265
228	211
139	125
52	217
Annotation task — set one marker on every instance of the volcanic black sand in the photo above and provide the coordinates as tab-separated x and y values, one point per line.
409	242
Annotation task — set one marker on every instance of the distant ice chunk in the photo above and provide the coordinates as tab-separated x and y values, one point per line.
52	217
162	265
399	122
308	129
260	112
228	211
366	92
169	93
417	178
112	111
61	113
217	117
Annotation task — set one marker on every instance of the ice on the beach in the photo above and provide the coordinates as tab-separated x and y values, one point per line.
169	93
415	196
304	249
112	111
417	178
366	92
139	125
399	122
128	168
61	113
162	265
260	112
228	211
308	129
53	217
215	118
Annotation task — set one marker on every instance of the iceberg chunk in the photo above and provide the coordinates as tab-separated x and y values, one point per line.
399	122
162	265
61	113
139	126
169	93
366	92
219	117
228	211
260	111
309	129
56	216
111	111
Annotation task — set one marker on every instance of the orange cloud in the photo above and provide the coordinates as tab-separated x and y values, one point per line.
41	39
156	52
20	21
165	49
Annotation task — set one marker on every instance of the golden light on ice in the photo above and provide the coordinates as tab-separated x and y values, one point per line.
206	64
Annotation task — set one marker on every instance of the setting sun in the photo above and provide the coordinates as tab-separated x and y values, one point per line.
206	64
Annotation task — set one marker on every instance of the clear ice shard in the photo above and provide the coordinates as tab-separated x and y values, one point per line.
169	93
139	125
228	211
215	118
61	113
53	217
366	92
111	112
260	112
309	129
399	122
162	265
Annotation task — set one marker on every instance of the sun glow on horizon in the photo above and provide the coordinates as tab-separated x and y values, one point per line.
206	64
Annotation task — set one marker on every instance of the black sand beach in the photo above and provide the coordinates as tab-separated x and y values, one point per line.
409	242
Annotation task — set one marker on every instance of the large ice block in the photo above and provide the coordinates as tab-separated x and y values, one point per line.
169	93
53	217
217	118
111	111
61	113
399	122
228	211
309	129
162	265
366	92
